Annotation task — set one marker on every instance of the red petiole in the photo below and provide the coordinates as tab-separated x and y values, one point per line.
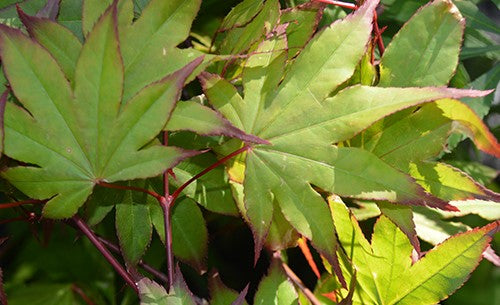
84	228
20	203
376	30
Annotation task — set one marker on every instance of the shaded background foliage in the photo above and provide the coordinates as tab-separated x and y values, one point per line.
51	259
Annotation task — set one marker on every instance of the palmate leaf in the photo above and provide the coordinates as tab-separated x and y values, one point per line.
80	137
301	122
431	225
149	44
384	269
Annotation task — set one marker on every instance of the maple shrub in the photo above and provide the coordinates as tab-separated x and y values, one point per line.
294	120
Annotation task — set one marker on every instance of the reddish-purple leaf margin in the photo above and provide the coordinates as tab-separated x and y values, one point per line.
227	129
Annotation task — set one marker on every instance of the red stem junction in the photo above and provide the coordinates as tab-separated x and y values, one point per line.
167	202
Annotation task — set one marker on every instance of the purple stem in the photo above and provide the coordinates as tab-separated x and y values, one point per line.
206	170
104	251
130	188
111	246
166	205
165	174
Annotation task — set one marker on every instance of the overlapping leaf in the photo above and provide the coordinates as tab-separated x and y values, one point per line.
301	122
133	226
82	136
58	40
384	270
425	51
240	38
189	242
195	117
151	293
302	22
149	44
220	294
408	140
276	288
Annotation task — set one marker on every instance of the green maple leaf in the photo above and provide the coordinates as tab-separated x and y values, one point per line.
384	270
76	137
148	45
301	122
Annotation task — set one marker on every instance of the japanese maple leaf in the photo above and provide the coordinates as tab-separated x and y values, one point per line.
73	138
296	114
385	273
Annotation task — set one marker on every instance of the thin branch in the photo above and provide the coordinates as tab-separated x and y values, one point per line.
165	174
20	218
84	228
378	34
20	203
3	296
206	170
297	281
130	188
166	206
347	5
114	248
82	294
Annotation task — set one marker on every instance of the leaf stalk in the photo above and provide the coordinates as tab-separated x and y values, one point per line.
297	281
130	188
114	248
208	169
20	203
